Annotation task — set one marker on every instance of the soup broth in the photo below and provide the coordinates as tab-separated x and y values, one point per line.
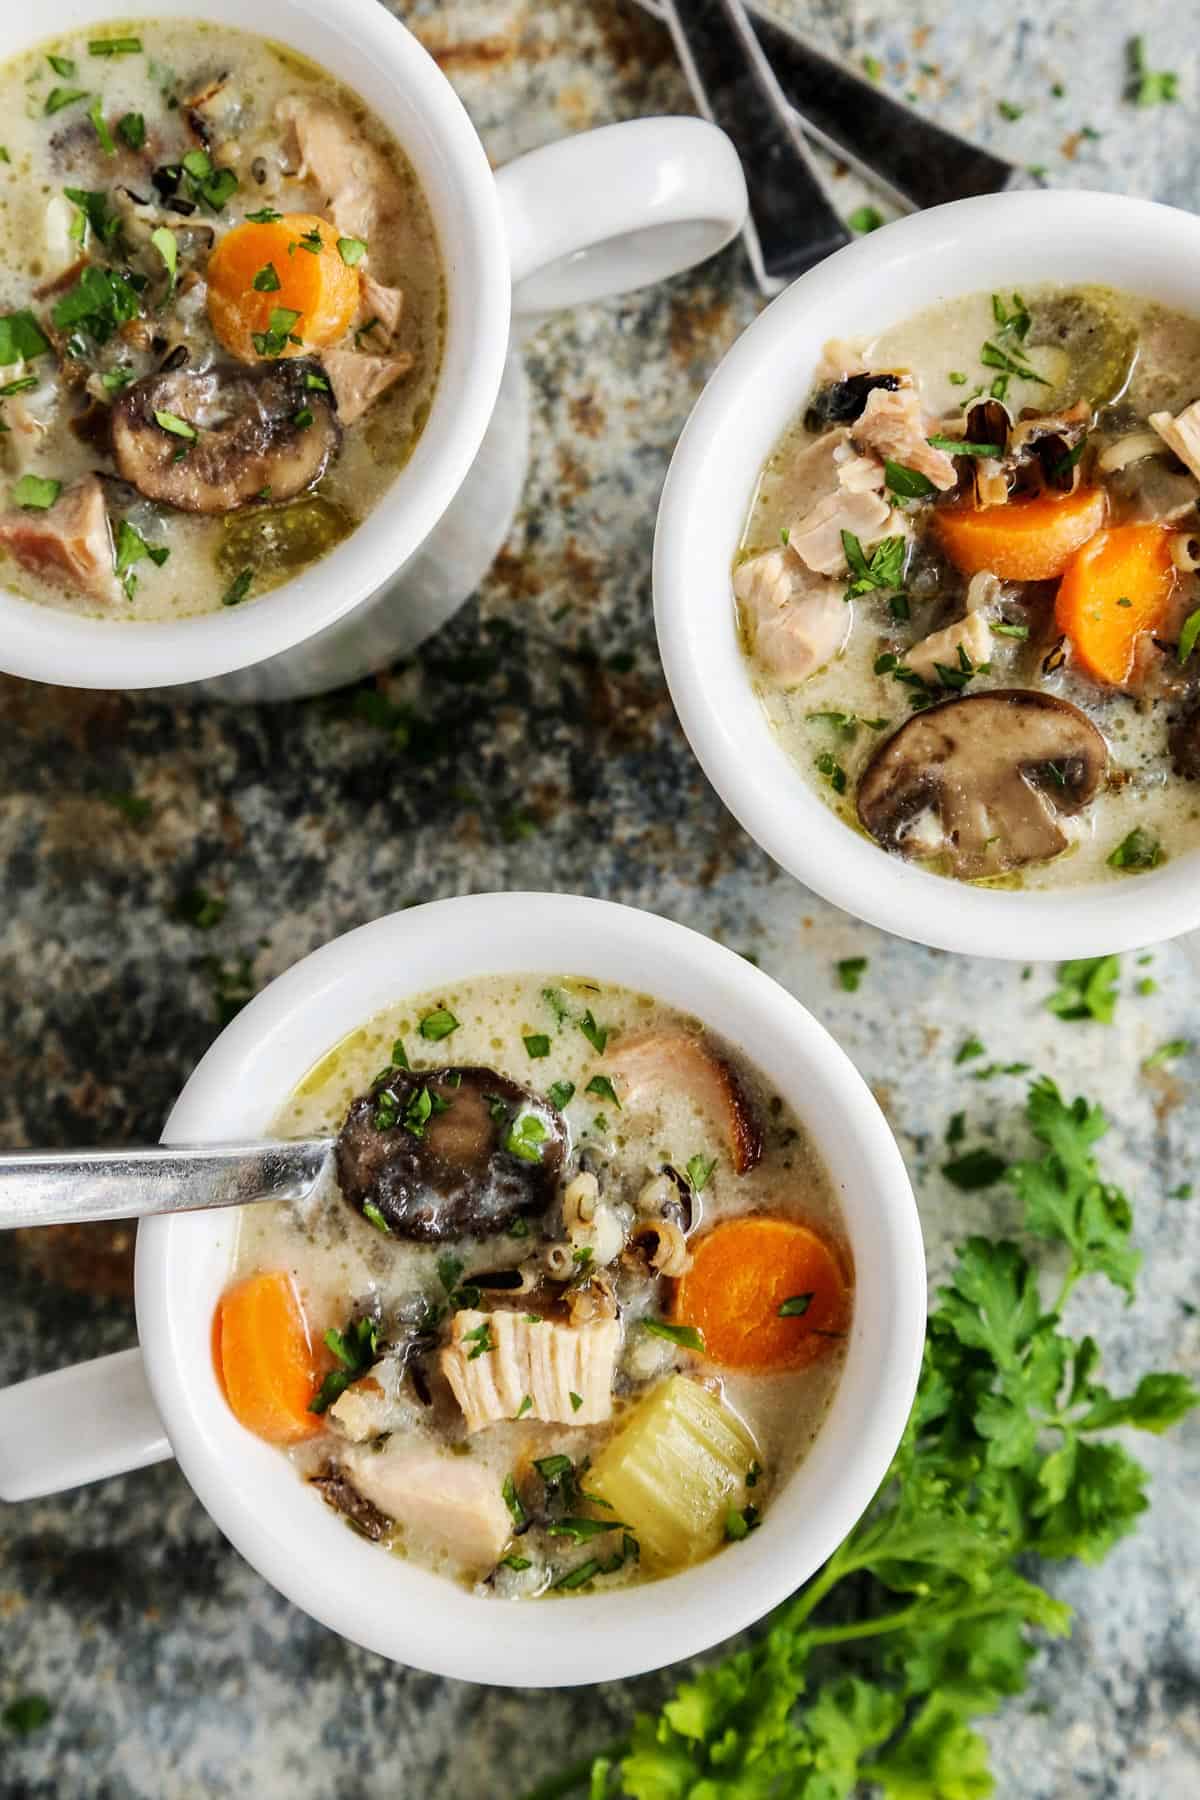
994	498
618	1273
221	317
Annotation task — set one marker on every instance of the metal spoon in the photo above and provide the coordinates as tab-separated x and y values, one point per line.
72	1187
792	224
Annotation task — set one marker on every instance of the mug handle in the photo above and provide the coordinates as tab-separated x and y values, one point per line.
614	209
78	1425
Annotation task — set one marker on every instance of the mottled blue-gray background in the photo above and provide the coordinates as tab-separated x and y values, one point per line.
534	746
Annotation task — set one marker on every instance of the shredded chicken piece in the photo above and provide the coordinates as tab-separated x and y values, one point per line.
383	304
69	542
971	634
359	188
894	427
358	380
860	474
1131	448
1181	434
991	483
839	358
817	537
361	1411
447	1500
983	590
496	1361
794	621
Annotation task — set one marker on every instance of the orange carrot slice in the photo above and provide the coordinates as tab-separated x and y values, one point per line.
1117	586
266	1358
1027	540
766	1293
300	270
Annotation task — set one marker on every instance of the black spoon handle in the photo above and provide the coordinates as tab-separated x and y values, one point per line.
793	224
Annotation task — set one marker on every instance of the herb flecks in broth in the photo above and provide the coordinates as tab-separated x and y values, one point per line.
515	1329
989	516
221	285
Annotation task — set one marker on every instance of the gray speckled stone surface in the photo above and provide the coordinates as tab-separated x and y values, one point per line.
542	752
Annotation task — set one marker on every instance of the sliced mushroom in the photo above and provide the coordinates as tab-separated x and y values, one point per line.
983	780
658	1063
437	1153
245	431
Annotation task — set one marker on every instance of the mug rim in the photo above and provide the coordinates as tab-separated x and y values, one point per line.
398	1608
734	426
415	101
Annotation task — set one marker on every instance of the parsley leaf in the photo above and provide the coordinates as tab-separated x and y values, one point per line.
1087	989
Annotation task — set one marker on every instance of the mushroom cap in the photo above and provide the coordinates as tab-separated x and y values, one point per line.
249	437
448	1173
997	771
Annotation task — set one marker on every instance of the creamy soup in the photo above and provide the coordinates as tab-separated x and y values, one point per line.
571	1308
221	317
967	586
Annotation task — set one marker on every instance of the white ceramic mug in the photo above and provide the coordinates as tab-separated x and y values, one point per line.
1005	241
137	1407
597	214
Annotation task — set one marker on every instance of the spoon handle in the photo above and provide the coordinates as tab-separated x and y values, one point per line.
792	224
69	1187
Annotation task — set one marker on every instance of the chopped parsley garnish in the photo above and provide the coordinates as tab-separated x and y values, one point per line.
525	1406
101	300
118	46
351	250
553	1468
525	1137
356	1347
602	1087
266	215
872	68
508	1491
178	427
845	724
165	242
561	1093
864	219
131	547
21	338
438	1024
96	213
1003	629
62	65
1188	636
513	1561
991	1070
686	1336
993	357
100	126
1087	988
1140	850
318	382
1149	87
884	570
364	329
27	1713
960	447
576	1401
1066	463
850	972
399	1055
60	97
208	184
739	1525
557	1004
267	280
1168	1052
537	1044
828	765
910	484
969	1050
373	1216
21	385
1008	110
580	1530
795	1306
480	1339
957	378
699	1171
303	418
310	241
36	492
596	1035
422	1106
238	588
975	1169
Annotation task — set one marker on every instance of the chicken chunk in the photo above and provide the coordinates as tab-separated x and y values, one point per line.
893	426
794	621
817	537
1181	434
496	1361
362	1411
971	634
382	304
446	1501
69	542
359	190
359	380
